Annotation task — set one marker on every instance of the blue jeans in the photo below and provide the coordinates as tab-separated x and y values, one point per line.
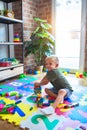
69	93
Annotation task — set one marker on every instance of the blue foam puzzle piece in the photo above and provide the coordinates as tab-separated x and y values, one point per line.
76	115
19	111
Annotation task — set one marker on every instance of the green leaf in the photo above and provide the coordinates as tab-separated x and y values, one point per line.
39	20
36	30
48	26
41	41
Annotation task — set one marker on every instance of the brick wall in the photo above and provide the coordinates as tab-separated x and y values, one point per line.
44	10
34	8
29	11
17	8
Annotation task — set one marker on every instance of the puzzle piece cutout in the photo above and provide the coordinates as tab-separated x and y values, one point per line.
16	83
37	120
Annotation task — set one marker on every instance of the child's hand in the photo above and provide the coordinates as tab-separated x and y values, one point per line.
36	85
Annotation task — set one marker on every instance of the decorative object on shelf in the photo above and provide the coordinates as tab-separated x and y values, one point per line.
16	37
5	62
2	12
15	67
9	13
41	42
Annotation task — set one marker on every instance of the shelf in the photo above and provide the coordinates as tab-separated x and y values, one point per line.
11	70
7	20
8	1
10	67
11	43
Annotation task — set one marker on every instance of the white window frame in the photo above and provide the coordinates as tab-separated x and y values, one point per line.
83	32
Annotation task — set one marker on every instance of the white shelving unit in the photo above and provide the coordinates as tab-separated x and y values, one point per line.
13	70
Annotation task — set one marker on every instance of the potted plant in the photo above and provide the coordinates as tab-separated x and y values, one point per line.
41	42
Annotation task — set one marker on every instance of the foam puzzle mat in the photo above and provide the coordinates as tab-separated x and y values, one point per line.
63	119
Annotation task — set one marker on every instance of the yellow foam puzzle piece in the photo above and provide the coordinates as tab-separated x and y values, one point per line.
16	118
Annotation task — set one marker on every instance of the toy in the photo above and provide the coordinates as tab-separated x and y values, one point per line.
6	109
4	94
16	37
81	75
85	74
11	108
9	13
7	95
31	108
65	73
67	70
19	96
46	70
82	128
17	102
2	102
13	93
4	62
35	72
39	100
71	105
46	104
30	71
77	74
39	72
22	76
37	90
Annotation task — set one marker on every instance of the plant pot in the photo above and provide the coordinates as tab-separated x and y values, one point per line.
40	68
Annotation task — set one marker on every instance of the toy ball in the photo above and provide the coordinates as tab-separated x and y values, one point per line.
7	94
35	72
65	73
22	76
77	74
81	75
67	70
31	108
30	71
85	74
38	72
46	70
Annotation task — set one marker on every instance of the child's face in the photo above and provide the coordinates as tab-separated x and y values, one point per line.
50	64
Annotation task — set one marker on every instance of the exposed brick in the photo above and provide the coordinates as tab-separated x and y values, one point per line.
36	8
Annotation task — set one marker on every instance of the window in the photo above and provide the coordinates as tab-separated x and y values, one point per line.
3	36
68	33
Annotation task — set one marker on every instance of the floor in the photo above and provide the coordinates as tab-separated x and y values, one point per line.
75	82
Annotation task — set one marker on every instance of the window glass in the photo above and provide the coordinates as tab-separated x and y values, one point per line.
67	32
